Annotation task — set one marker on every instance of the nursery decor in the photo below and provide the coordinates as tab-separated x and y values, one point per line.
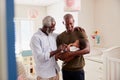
96	37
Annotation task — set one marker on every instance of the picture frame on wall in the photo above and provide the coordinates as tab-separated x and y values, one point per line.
72	5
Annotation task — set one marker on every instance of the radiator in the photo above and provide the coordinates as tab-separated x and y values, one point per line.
111	61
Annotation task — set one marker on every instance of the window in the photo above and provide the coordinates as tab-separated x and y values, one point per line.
23	34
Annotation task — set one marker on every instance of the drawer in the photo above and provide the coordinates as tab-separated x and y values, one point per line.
93	66
93	70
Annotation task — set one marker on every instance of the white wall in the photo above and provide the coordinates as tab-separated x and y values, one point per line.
86	17
22	12
107	19
101	15
3	60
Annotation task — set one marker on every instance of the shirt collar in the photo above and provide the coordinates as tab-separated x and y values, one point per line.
40	31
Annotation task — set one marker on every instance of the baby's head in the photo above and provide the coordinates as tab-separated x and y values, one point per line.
79	43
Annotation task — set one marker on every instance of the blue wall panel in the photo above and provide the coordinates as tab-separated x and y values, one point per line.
12	72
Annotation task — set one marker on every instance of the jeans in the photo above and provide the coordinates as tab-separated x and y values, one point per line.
73	75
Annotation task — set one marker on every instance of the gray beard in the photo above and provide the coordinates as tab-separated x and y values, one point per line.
48	32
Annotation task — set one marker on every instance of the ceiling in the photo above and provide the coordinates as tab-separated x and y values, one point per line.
36	2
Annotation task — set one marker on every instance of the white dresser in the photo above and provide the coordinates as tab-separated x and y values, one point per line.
103	66
94	65
93	68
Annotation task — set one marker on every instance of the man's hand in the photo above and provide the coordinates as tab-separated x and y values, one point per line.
66	56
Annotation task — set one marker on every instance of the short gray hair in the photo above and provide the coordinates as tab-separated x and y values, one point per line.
48	20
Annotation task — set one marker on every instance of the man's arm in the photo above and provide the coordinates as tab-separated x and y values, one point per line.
83	51
52	53
84	43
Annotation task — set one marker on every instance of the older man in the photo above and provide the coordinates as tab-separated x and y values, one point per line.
43	45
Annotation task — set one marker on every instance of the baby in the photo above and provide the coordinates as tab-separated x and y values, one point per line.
66	48
74	46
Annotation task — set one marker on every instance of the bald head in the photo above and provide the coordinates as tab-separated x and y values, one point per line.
67	16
